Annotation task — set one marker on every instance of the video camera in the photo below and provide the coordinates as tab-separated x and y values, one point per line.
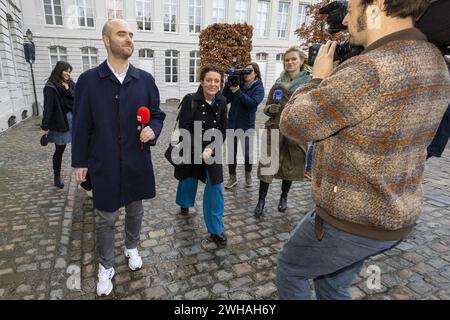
336	12
235	75
433	23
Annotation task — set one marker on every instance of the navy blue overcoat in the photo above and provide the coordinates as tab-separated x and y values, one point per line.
105	138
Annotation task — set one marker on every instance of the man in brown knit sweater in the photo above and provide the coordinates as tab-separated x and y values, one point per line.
372	119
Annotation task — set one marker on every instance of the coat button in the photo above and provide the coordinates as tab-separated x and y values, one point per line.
203	113
215	121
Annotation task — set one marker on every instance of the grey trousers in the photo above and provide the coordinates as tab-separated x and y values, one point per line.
105	225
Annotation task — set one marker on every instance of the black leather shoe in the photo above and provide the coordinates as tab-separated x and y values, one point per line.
184	211
282	206
260	207
58	183
220	239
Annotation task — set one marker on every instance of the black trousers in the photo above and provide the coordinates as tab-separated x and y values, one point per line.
245	143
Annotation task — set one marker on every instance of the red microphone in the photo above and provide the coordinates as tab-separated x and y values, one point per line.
143	118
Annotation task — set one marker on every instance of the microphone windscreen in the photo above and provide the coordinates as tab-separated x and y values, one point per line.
277	96
143	115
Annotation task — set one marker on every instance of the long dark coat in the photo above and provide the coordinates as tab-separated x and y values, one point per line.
105	138
210	118
54	115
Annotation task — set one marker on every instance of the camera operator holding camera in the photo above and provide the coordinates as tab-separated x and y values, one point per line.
372	119
245	98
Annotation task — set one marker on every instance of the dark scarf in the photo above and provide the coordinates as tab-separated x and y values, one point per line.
67	96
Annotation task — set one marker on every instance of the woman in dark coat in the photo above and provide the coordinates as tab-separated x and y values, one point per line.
244	100
59	94
291	154
208	109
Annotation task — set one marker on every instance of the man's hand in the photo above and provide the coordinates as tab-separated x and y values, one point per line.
80	174
324	65
234	89
207	153
147	134
44	132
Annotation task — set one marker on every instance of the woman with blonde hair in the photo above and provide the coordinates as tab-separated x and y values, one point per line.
291	154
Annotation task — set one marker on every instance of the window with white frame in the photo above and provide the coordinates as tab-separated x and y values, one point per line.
89	58
144	15
146	60
261	60
262	18
218	15
195	16
172	66
85	13
279	66
53	12
283	15
241	11
194	66
170	15
57	53
302	17
115	9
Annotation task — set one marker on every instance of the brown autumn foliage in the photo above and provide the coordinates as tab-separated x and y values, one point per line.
316	31
221	42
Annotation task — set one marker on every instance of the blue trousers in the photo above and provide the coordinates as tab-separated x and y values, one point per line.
333	263
213	202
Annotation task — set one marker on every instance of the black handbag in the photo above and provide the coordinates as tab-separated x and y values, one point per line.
44	140
175	144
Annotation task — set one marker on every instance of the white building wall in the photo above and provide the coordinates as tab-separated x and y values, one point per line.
15	81
73	38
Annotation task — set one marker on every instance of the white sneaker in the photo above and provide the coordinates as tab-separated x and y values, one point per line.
134	259
104	284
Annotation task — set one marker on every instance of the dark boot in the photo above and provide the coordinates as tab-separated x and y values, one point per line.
219	239
184	211
57	159
282	205
57	182
285	187
263	188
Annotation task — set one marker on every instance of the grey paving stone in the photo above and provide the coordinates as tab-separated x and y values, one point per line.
44	230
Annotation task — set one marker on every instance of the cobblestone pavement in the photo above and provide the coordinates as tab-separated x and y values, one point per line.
47	236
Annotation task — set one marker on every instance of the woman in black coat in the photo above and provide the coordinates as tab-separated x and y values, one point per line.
201	114
57	118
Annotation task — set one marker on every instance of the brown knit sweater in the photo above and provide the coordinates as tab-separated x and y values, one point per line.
372	119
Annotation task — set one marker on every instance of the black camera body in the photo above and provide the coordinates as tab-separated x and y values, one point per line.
344	50
336	12
236	74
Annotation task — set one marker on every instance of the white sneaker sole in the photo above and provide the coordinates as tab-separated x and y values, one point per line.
231	186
